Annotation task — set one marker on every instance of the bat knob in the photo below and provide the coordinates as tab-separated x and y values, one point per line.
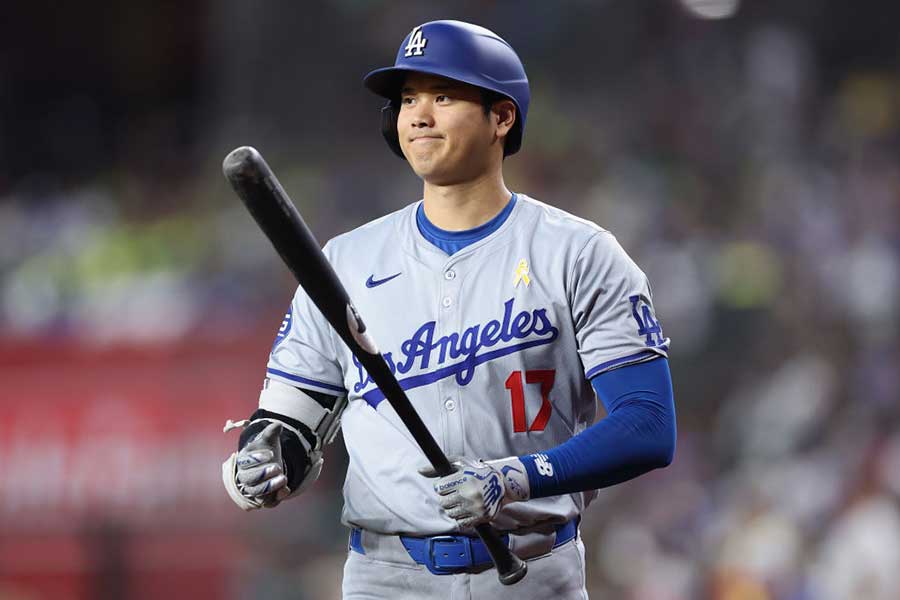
515	571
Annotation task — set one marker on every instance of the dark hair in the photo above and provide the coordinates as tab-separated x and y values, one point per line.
488	98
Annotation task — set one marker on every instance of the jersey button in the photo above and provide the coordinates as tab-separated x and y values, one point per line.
450	405
447	301
449	274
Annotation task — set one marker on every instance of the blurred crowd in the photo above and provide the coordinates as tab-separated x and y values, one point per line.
751	166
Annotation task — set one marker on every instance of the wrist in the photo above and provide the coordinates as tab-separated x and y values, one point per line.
515	479
541	474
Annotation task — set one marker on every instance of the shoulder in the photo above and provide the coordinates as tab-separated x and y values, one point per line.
381	230
582	245
562	226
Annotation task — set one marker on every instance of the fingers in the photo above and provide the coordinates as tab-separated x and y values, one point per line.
247	459
458	513
457	507
450	502
259	471
266	487
259	477
271	434
258	474
463	512
270	437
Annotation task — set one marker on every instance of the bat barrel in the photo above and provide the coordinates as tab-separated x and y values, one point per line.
240	163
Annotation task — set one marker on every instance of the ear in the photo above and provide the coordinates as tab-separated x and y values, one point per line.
504	115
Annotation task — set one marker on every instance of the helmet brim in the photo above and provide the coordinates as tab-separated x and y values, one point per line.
386	82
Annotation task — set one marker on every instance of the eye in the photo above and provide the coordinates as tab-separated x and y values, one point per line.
442	98
408	100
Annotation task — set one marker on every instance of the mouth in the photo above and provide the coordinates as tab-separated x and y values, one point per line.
425	139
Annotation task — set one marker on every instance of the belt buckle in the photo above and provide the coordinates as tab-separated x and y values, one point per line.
459	557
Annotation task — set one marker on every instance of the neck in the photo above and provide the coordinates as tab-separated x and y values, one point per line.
462	206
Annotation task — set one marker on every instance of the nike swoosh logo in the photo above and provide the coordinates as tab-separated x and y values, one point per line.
372	282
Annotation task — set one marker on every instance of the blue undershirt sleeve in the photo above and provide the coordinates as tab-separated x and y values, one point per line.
637	435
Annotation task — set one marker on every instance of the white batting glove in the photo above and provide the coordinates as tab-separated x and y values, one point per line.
254	477
476	490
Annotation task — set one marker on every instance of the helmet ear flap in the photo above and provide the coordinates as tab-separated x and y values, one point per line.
389	128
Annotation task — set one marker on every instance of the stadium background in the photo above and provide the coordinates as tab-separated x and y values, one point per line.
749	164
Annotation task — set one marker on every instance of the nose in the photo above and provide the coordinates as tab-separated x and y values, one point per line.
421	116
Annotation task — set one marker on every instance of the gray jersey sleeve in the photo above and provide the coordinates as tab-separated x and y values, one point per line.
304	353
612	308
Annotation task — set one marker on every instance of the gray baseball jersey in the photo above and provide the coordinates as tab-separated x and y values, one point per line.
494	346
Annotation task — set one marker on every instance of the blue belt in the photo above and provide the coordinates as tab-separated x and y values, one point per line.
446	554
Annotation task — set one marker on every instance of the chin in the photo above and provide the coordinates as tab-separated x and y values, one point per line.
432	176
438	169
429	169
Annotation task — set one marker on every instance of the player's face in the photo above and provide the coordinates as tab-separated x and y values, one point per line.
444	133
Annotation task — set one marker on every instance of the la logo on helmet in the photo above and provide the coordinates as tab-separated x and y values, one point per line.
416	42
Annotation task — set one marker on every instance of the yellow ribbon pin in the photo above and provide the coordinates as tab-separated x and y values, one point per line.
522	274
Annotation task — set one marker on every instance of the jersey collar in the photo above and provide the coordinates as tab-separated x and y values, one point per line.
452	242
414	243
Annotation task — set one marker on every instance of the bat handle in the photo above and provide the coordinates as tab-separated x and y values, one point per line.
510	568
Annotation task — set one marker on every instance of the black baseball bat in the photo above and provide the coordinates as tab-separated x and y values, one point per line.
276	215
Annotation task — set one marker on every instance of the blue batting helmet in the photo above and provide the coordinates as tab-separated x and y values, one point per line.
458	51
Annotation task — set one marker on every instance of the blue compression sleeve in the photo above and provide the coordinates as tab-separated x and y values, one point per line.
637	435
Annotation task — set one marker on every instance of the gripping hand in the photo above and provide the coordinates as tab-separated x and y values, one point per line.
476	490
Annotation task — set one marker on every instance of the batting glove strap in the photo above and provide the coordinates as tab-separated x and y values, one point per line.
515	479
309	477
314	418
313	413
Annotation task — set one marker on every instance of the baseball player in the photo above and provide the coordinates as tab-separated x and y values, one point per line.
503	318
